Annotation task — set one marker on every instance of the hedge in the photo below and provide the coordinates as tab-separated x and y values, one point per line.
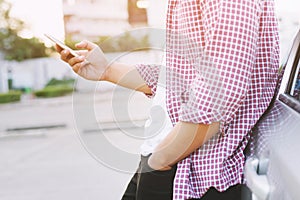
64	82
53	91
12	96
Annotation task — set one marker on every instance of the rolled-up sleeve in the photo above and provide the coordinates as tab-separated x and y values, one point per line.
150	74
225	66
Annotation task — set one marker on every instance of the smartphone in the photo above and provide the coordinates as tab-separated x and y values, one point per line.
62	45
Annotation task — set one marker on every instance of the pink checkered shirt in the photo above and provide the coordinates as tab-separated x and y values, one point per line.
222	62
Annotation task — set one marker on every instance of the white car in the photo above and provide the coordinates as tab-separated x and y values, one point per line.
272	169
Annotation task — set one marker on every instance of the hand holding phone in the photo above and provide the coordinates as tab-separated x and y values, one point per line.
92	59
62	45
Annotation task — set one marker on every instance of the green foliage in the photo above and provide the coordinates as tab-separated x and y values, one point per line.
17	48
12	96
6	21
54	91
70	42
55	88
125	42
12	45
64	82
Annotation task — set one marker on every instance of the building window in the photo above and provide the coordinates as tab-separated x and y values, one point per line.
137	12
295	91
69	2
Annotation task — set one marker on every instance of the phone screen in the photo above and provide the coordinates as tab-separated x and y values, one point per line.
61	44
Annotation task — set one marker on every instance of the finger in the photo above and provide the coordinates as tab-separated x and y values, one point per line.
82	52
58	48
65	55
76	67
73	61
86	45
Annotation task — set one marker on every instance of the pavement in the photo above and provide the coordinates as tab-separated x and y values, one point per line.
44	155
81	147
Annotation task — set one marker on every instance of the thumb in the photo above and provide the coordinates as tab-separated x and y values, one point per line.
85	44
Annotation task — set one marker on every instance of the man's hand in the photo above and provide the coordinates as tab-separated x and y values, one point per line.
91	64
183	140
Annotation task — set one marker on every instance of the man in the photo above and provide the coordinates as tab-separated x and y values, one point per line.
222	58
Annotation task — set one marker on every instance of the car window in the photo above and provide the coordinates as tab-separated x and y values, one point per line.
295	89
289	91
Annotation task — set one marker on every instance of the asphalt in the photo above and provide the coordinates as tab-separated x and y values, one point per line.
45	154
79	147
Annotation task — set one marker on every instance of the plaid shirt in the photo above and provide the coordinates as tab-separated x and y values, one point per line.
222	63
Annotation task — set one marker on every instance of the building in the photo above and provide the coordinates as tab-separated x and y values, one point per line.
89	19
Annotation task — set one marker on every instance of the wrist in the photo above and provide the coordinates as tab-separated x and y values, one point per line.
156	164
105	75
111	73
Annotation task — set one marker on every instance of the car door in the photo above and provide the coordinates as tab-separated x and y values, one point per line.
272	172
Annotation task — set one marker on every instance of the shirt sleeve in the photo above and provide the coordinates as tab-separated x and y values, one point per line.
150	74
225	66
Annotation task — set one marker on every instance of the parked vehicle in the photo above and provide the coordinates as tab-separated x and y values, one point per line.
273	170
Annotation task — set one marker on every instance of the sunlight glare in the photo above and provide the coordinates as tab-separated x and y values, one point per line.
40	16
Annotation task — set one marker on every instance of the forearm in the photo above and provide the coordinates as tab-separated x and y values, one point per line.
183	140
126	76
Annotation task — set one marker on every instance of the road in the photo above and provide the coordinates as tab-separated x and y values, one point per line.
48	152
60	161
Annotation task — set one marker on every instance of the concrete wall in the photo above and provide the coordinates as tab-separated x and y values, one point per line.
33	73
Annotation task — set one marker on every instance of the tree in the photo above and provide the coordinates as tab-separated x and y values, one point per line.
12	45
